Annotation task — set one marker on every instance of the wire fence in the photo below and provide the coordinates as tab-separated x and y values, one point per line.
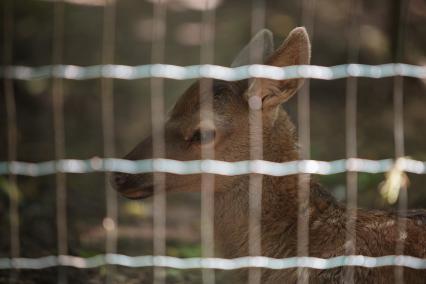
211	263
73	72
211	166
207	165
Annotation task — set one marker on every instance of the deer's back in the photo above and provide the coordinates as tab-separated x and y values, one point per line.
376	235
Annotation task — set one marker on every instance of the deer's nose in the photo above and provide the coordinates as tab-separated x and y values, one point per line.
130	186
118	180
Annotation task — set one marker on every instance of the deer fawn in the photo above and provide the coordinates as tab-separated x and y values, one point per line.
227	132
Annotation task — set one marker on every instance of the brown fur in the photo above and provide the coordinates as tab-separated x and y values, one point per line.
376	231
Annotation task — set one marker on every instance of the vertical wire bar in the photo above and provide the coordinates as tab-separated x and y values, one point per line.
399	152
207	152
158	137
303	109
107	109
11	133
59	134
351	137
256	152
398	102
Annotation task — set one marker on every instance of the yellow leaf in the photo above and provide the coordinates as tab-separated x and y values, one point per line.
395	180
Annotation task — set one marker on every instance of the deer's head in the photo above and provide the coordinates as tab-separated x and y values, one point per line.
226	128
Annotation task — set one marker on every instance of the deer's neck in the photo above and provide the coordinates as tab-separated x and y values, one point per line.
278	218
279	207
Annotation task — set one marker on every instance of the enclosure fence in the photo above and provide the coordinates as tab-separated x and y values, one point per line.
208	165
213	71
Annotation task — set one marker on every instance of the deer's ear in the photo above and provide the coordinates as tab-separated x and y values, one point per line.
296	50
257	50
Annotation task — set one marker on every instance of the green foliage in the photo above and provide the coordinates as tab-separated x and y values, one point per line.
10	189
184	250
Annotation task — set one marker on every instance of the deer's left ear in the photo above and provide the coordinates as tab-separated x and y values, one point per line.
257	50
296	50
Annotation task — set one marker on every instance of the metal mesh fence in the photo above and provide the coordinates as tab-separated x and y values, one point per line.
207	165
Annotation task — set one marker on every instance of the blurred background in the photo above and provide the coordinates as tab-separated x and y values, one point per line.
83	38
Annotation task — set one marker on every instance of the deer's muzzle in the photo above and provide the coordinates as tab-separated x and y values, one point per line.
131	186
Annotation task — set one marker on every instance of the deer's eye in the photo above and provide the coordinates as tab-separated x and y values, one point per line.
203	136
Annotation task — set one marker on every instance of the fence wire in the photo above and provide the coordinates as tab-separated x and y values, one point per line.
126	72
354	10
158	137
112	71
212	263
211	166
207	202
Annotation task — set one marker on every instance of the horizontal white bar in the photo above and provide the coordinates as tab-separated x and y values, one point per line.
210	166
212	71
212	263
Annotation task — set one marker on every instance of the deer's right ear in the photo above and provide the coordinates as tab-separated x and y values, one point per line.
267	93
